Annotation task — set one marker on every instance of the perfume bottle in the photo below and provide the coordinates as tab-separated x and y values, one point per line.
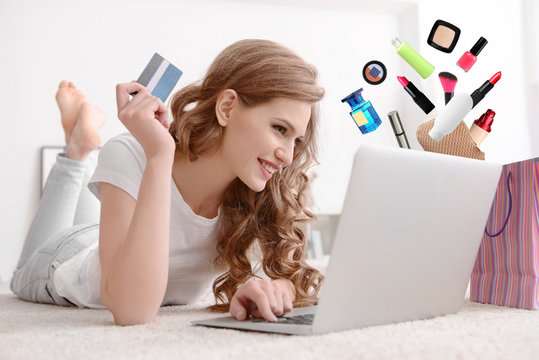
363	113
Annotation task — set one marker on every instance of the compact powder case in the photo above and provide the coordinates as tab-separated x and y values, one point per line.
443	36
374	72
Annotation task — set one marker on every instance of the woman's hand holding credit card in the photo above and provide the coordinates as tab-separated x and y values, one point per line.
146	118
149	93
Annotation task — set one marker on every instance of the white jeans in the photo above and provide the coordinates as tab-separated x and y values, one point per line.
65	223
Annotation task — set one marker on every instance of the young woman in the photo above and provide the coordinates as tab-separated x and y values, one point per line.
181	204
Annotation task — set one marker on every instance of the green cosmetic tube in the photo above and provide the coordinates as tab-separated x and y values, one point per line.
422	66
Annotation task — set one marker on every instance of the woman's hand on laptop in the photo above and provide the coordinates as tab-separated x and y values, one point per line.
263	299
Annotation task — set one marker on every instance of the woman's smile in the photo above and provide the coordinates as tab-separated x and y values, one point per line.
267	168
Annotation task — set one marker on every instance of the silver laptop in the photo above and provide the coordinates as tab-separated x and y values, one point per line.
405	246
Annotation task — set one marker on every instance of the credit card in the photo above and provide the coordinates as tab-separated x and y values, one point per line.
159	77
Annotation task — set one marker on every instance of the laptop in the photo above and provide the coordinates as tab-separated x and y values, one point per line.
406	243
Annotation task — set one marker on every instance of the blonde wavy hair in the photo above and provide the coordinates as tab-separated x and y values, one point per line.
259	71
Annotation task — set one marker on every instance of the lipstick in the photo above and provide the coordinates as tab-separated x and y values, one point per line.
480	93
481	127
419	98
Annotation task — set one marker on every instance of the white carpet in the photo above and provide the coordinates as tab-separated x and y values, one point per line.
35	331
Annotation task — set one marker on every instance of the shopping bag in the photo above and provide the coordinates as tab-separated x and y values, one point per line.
506	270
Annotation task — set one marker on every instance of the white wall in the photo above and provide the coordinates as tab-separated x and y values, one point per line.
531	59
97	44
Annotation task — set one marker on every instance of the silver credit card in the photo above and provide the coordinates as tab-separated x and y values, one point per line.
159	77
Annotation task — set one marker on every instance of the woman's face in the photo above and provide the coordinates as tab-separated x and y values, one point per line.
258	141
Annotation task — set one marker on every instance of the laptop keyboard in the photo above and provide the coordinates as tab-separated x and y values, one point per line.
299	319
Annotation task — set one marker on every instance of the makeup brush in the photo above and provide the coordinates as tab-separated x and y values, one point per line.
449	81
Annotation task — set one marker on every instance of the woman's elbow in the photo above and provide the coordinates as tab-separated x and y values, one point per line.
132	317
126	314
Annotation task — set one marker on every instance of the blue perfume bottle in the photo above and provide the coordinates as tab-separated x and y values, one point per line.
363	113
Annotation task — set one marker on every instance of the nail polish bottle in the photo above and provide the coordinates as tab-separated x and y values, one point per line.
481	127
468	59
363	113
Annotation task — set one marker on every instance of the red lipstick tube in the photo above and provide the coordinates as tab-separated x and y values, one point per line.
480	93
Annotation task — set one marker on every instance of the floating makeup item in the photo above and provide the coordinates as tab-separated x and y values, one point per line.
396	124
419	98
451	116
374	72
422	66
468	59
449	81
481	127
443	36
363	113
480	93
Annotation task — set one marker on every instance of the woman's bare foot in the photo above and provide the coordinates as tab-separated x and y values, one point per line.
69	100
85	136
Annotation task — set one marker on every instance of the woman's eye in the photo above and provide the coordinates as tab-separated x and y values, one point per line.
298	142
280	129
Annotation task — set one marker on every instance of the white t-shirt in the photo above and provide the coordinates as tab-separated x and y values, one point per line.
192	237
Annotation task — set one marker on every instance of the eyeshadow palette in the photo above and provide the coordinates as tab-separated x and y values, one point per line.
374	72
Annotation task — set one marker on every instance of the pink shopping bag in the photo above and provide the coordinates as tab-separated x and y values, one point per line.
506	270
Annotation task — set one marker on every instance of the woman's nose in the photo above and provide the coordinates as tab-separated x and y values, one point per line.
285	154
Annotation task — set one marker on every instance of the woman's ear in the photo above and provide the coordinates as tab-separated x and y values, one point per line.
224	104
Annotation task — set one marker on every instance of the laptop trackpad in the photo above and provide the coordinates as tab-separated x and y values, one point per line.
298	316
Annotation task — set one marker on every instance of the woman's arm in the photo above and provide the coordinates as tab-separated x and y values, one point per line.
134	246
134	235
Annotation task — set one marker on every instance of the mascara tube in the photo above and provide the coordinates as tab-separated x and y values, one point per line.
396	124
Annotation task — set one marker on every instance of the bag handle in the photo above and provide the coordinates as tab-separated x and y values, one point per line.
508	211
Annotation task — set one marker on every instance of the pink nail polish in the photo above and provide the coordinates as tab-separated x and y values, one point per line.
468	59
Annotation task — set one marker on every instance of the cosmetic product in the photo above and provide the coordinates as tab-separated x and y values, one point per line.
449	81
374	72
452	115
443	36
422	66
459	107
481	127
468	59
480	93
419	98
396	124
363	113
